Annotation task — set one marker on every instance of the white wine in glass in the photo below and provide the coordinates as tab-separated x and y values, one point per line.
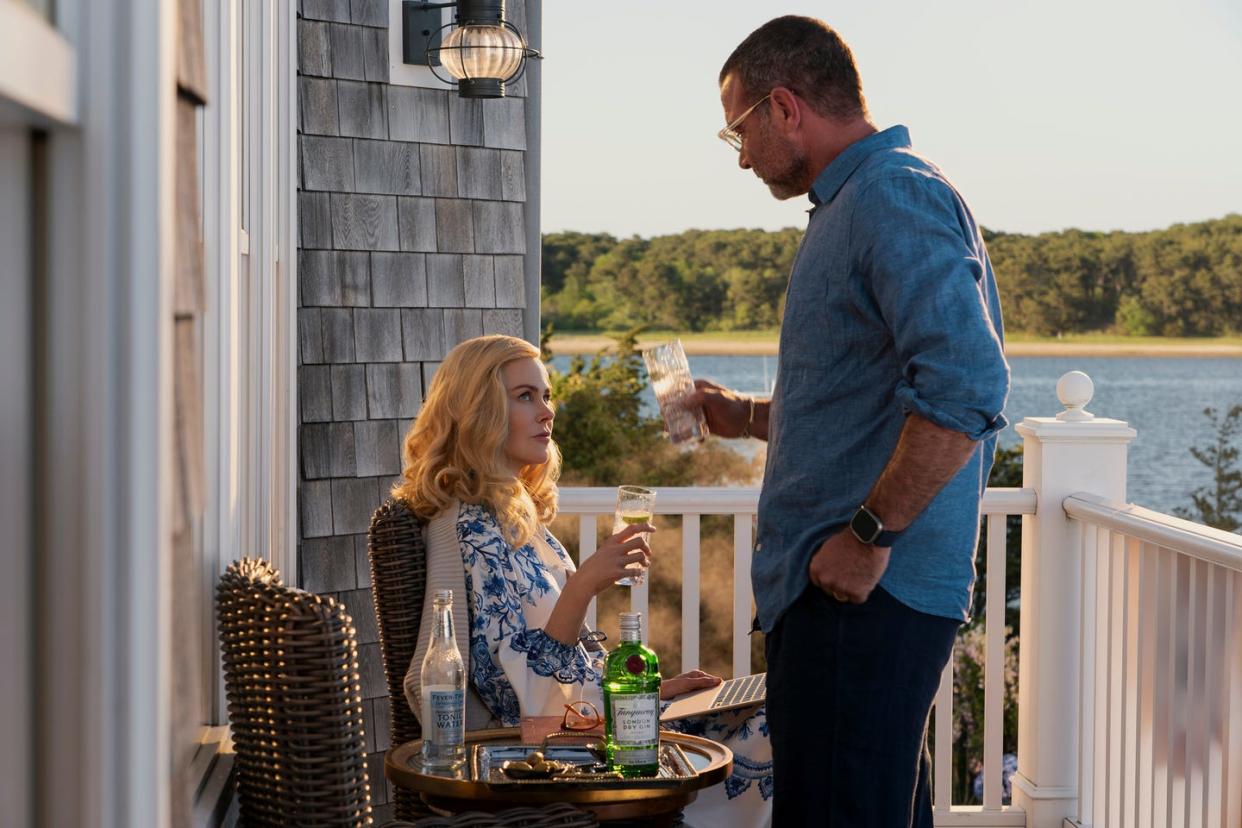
634	506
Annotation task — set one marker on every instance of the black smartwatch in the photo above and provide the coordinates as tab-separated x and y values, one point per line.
870	529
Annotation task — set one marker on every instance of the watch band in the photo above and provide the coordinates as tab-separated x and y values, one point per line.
885	538
869	529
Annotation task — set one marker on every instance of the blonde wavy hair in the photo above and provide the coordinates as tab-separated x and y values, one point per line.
455	449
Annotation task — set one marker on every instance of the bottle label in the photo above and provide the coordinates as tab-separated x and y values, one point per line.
444	714
636	724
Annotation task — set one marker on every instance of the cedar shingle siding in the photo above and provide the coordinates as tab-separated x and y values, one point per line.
412	230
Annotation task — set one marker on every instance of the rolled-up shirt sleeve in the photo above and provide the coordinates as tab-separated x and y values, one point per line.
926	275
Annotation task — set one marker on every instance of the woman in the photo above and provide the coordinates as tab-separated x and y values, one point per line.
481	467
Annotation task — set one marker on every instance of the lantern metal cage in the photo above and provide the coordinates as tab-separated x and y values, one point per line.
481	52
463	55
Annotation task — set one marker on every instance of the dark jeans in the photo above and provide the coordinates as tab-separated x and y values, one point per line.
850	687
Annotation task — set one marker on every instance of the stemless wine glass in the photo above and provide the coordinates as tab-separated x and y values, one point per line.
669	371
634	505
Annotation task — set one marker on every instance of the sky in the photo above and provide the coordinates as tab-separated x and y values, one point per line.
1095	114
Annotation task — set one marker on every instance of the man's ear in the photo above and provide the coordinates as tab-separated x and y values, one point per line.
786	108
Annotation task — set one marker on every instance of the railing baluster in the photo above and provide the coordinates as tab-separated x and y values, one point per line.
1086	535
742	601
1130	683
1166	595
690	592
1231	767
1197	711
1115	678
994	665
638	603
1178	709
1215	728
942	794
586	548
1148	562
1103	586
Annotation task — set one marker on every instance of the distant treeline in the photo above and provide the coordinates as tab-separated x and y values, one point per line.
1183	281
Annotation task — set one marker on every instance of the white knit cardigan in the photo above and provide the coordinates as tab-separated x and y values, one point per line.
446	570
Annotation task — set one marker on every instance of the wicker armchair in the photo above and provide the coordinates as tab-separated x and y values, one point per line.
398	557
295	707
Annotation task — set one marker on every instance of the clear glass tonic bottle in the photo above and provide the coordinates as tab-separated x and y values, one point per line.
444	692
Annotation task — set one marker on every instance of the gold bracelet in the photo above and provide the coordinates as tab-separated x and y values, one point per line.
750	421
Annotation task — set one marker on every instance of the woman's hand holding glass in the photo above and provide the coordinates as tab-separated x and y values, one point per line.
617	557
635	505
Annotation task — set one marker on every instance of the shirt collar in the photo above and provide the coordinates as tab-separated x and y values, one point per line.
834	176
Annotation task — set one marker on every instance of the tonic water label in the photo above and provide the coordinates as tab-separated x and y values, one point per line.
445	709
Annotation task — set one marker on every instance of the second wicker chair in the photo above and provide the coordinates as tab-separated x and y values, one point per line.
398	555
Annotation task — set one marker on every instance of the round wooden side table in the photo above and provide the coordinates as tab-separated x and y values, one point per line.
610	801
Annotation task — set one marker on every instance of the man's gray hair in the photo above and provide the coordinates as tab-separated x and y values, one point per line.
805	56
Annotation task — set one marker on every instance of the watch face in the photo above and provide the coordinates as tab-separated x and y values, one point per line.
864	525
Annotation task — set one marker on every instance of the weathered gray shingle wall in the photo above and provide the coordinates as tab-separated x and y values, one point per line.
412	230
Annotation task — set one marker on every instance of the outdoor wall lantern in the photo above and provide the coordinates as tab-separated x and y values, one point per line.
481	53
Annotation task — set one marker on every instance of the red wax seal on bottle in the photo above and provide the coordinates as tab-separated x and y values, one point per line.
635	664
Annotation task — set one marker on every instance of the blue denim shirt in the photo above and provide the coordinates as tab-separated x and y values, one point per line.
891	309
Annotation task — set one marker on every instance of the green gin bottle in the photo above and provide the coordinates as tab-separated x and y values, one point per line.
632	703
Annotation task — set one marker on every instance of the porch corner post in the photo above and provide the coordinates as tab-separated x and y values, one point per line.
1072	452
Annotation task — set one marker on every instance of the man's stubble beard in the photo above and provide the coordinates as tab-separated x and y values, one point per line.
793	177
785	189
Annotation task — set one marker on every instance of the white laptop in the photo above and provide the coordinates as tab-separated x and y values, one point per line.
737	692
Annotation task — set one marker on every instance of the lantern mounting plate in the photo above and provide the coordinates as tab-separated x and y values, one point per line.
422	24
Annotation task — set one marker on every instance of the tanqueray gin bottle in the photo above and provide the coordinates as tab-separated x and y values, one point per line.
632	703
444	692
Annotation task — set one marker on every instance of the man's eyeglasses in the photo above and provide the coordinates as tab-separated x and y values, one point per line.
730	134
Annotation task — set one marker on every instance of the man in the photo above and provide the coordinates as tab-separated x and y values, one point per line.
880	430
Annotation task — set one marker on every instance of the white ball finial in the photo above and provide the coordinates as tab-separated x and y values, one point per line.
1075	389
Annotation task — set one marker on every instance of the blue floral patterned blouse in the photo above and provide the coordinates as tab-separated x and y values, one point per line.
518	669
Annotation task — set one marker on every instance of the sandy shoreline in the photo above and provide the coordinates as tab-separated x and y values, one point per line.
589	344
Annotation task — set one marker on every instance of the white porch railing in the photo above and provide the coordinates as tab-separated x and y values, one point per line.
691	504
1161	696
1130	671
590	504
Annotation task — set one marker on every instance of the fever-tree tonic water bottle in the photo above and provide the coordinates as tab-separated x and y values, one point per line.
444	692
632	703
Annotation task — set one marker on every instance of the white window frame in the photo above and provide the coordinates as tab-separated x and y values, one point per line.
101	81
38	65
102	605
250	341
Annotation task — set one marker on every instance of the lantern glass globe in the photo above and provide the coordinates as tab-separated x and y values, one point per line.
482	52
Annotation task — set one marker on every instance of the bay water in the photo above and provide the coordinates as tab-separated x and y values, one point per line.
1162	398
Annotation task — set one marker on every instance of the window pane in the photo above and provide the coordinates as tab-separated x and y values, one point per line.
243	87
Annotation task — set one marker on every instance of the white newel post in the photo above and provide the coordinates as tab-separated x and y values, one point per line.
1072	452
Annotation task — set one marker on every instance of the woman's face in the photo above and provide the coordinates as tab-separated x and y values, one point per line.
530	413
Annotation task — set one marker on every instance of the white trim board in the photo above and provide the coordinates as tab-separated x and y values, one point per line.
16	630
401	73
38	65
